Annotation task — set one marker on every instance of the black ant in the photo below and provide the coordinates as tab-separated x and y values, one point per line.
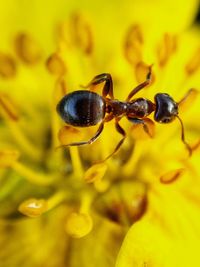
85	108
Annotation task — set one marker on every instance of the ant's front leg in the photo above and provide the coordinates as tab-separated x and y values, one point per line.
141	86
148	125
108	86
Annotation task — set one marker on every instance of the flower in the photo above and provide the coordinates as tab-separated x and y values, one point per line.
150	202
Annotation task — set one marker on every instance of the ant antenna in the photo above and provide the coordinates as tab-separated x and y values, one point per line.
183	137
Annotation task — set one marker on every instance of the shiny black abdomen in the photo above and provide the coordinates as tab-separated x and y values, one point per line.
82	108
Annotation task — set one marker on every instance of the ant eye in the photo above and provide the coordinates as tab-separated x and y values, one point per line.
167	120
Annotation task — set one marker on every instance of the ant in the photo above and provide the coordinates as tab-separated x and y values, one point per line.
85	108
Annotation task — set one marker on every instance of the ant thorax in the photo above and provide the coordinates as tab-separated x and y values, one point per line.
140	108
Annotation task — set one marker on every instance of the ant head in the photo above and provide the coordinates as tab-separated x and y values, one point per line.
166	108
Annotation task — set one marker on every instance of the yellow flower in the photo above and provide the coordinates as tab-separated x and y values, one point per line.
60	208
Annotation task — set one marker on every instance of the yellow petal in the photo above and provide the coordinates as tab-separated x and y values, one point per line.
168	235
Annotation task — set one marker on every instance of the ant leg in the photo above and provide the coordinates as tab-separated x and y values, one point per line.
108	87
94	138
123	133
147	124
189	148
191	93
142	85
90	141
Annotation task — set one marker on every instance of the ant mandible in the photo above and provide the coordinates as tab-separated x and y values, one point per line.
85	108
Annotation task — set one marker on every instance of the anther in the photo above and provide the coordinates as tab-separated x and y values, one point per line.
79	224
60	90
8	67
27	49
141	71
95	173
194	63
166	48
62	33
196	145
33	207
9	107
172	176
133	45
68	135
56	65
82	33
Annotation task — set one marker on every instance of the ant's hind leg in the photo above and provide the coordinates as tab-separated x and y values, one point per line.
108	86
90	141
142	85
94	138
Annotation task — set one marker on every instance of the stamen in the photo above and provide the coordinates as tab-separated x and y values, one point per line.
62	33
8	157
9	107
102	185
8	67
33	207
141	71
82	33
95	173
68	135
59	91
124	203
27	49
133	45
22	140
56	65
56	199
195	146
134	158
33	176
60	88
79	224
194	63
10	114
172	176
166	49
86	200
76	162
138	207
